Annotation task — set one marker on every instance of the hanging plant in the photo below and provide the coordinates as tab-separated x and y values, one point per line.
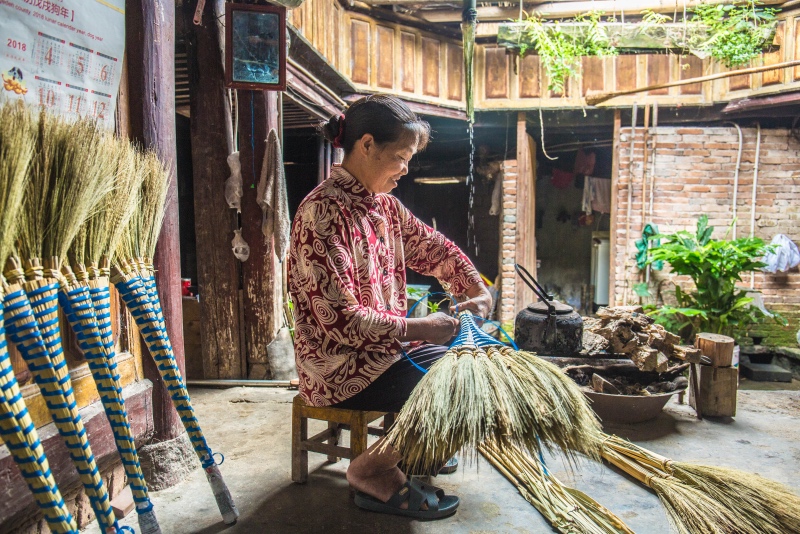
560	52
738	32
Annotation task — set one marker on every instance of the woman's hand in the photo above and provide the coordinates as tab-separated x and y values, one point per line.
479	301
437	328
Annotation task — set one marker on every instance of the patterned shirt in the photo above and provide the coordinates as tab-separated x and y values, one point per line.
347	277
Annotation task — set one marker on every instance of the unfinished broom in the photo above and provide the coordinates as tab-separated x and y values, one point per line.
481	389
566	509
16	427
97	240
765	506
66	181
132	267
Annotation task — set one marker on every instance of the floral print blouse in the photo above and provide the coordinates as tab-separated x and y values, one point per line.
347	278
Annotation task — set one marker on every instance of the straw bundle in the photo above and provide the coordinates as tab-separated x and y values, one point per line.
132	275
480	390
67	178
16	427
727	500
566	509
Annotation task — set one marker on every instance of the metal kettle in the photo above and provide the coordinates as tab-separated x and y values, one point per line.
548	327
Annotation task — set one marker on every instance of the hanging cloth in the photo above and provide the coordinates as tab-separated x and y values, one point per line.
601	194
584	162
562	179
783	256
649	231
272	197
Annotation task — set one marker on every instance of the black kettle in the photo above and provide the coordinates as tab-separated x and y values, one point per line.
547	327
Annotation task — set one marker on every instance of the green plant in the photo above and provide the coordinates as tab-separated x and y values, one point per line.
715	266
559	52
738	32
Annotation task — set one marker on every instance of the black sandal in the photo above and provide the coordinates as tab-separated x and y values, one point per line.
416	494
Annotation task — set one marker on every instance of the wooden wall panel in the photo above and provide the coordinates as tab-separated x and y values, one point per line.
385	57
407	54
737	83
625	72
337	20
455	72
530	80
658	70
496	72
691	67
431	65
771	77
592	75
796	71
360	51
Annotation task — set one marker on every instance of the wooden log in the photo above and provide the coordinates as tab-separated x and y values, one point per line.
687	354
601	385
717	390
217	268
150	47
717	347
593	100
649	359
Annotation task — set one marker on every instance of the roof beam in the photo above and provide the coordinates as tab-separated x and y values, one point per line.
551	10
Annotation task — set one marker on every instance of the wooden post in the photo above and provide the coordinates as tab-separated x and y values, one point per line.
612	241
150	45
261	274
217	268
714	387
525	240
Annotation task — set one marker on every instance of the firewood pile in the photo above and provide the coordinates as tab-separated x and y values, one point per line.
627	330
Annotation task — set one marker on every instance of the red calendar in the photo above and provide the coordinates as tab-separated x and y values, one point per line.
64	55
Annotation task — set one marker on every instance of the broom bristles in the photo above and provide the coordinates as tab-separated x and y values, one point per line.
69	175
17	137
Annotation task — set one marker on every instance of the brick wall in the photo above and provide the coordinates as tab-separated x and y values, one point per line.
508	233
694	174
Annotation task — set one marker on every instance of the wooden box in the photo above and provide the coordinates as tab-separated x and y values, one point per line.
718	386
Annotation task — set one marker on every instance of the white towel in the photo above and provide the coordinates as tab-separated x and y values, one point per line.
271	196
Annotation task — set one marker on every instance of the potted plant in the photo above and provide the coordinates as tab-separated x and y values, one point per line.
715	304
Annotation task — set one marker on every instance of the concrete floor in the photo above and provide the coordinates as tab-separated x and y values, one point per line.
251	427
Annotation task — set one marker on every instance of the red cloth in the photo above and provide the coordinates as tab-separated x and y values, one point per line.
347	277
584	162
562	179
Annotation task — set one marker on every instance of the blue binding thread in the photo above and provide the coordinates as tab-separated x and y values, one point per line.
408	314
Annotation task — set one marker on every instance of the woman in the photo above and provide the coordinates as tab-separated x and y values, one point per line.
351	244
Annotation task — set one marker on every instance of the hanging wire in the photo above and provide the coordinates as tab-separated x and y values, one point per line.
541	125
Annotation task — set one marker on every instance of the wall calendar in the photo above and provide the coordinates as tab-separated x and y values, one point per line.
63	55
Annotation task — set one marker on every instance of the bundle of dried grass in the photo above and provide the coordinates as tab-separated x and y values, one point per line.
566	509
17	142
483	390
68	175
133	276
758	505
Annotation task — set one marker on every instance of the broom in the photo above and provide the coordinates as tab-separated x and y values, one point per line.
566	509
16	427
481	389
131	267
97	240
765	505
67	179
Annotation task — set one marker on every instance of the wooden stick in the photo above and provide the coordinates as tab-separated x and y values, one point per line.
593	100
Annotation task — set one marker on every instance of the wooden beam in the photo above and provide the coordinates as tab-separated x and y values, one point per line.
612	234
593	100
422	109
218	270
150	45
555	10
766	102
525	248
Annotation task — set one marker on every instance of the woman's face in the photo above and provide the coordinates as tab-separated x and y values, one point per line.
386	164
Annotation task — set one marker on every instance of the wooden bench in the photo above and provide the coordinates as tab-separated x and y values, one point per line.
327	441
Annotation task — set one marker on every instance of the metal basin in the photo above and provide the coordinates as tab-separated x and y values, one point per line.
628	408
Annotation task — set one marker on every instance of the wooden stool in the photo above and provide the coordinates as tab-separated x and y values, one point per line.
357	422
